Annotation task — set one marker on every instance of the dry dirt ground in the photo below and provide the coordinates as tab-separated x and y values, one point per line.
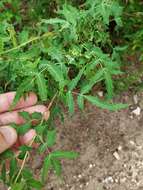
110	146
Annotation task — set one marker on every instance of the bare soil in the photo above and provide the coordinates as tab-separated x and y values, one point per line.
110	146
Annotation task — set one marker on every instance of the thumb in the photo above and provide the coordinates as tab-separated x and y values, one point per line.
8	137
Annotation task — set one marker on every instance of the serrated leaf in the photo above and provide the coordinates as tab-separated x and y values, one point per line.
64	154
42	148
51	137
56	73
109	84
75	81
17	186
3	173
34	183
105	105
27	173
25	86
25	115
36	115
40	128
24	128
46	166
13	168
70	102
42	87
80	101
93	80
57	167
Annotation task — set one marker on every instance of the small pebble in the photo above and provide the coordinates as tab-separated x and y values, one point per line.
132	143
90	166
87	183
123	180
100	93
119	147
79	176
81	186
116	155
137	111
108	180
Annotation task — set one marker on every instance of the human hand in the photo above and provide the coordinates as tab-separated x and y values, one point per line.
8	135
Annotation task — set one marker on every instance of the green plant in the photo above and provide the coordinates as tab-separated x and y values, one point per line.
61	54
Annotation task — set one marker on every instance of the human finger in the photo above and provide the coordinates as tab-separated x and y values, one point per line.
6	100
14	117
8	137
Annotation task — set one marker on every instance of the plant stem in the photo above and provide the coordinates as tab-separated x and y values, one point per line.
24	160
27	42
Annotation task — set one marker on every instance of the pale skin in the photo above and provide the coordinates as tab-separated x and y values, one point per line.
8	135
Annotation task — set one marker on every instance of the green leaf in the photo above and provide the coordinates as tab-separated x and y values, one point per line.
51	137
64	154
93	80
42	87
36	115
40	128
80	101
24	128
34	183
3	173
13	168
70	102
1	45
27	173
109	84
46	166
17	186
42	148
56	73
105	105
25	115
25	86
57	167
75	81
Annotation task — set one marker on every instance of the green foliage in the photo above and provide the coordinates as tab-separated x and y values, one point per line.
67	50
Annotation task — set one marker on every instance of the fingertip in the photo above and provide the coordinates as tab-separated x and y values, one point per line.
27	138
8	137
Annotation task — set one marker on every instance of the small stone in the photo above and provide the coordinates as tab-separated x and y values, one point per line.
81	186
125	165
116	180
123	180
137	111
132	143
116	155
87	183
90	166
79	176
108	179
119	147
100	93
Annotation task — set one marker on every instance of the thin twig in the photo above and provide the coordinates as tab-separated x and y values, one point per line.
27	42
24	160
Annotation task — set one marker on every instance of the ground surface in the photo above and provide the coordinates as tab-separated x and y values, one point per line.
110	146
